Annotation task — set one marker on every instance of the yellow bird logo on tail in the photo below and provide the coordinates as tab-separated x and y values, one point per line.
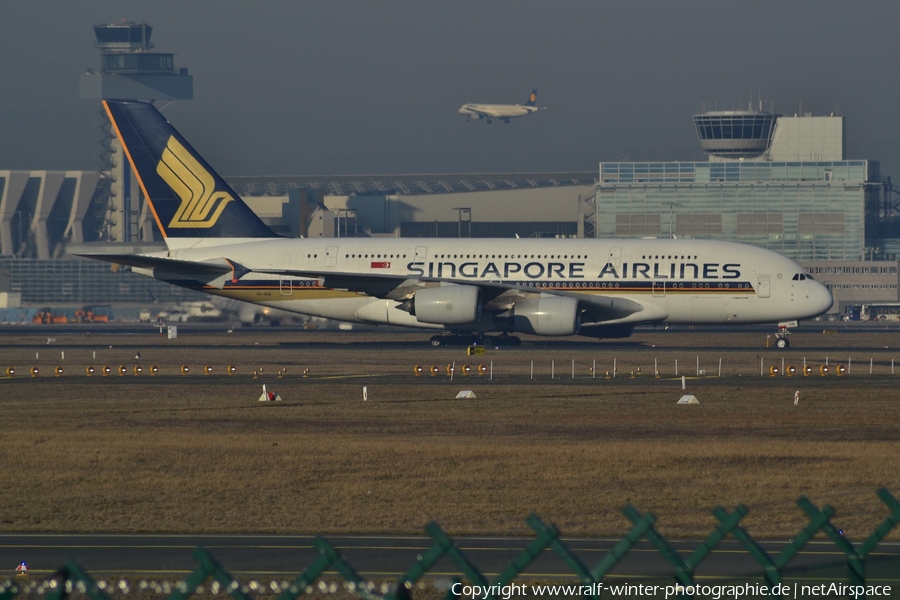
201	205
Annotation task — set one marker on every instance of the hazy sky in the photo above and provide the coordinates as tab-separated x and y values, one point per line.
341	87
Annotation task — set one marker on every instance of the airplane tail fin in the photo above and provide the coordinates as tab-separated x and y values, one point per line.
188	199
532	99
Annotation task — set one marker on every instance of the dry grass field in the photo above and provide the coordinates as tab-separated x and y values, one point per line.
198	453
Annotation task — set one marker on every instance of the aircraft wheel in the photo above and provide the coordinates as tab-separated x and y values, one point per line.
782	343
514	341
436	341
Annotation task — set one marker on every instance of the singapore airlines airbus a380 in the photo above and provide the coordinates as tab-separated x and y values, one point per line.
465	289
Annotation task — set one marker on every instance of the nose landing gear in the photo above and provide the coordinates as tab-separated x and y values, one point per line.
781	336
476	339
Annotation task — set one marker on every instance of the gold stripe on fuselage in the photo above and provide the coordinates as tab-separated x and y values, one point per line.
275	294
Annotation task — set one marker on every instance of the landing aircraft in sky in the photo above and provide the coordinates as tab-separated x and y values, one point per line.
463	289
500	111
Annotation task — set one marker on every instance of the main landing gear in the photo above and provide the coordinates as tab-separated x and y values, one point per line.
458	339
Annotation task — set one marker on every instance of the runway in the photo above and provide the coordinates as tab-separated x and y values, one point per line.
387	336
278	557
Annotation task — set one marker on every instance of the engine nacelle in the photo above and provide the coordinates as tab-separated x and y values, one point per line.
448	305
547	315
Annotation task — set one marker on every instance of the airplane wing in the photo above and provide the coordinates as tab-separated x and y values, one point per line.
496	296
481	114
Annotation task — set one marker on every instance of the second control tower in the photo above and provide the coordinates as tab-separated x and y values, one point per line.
131	71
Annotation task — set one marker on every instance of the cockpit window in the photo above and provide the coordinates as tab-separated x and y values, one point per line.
801	277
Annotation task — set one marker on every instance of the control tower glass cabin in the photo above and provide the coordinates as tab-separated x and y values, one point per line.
735	134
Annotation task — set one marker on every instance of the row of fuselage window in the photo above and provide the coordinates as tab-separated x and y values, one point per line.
507	256
580	284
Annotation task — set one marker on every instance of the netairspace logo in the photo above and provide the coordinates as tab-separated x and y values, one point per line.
715	592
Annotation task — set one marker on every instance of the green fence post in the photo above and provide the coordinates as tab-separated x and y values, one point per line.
856	557
443	545
772	567
450	595
801	539
771	573
328	556
563	551
73	573
725	526
9	590
298	586
446	544
612	558
209	567
889	522
344	568
418	570
532	551
855	564
683	572
618	552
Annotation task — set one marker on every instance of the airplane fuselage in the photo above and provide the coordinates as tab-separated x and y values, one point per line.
675	281
496	111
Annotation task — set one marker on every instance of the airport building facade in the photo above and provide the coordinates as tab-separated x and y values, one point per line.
804	210
775	181
812	212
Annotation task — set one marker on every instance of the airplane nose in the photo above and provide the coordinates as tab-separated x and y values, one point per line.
822	299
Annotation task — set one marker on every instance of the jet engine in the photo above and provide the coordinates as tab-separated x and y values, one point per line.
547	315
448	305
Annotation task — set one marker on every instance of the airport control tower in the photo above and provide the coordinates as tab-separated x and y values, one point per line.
765	135
130	70
735	133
